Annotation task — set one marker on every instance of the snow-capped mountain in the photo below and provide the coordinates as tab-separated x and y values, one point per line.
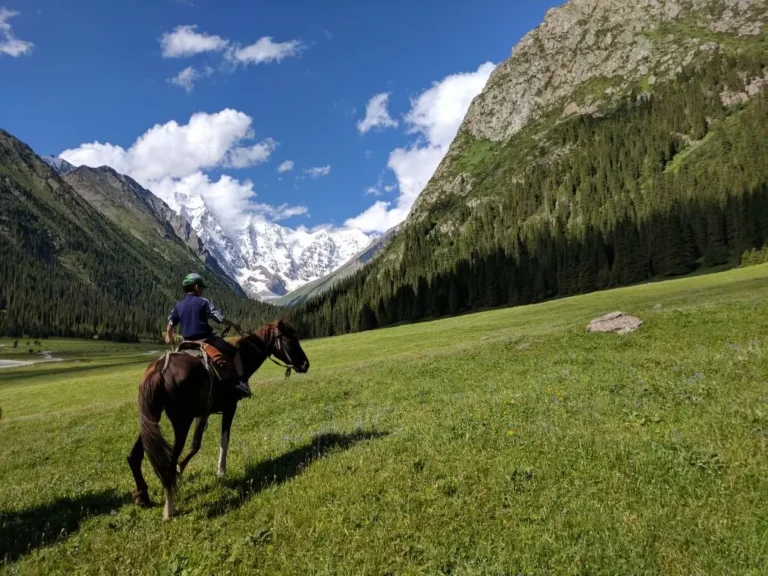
268	260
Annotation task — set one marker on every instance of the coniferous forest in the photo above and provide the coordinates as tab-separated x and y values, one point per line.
665	183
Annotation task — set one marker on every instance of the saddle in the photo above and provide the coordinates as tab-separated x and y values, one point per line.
218	366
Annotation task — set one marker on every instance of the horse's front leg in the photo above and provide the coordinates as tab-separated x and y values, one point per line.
226	427
197	441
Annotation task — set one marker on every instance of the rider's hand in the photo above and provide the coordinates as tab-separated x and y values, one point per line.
167	339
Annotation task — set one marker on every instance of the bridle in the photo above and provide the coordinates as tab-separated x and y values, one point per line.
277	338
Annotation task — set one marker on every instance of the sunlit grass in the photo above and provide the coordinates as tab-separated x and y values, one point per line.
498	443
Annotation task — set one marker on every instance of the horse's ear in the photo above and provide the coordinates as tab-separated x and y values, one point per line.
281	325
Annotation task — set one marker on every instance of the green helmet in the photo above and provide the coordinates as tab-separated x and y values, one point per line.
192	279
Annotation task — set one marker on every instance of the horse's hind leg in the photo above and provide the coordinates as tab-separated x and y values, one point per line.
197	441
141	494
180	431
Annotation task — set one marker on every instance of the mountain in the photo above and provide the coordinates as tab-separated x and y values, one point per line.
69	270
139	212
621	141
266	259
60	165
357	262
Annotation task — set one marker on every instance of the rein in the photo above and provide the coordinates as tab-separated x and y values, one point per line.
288	367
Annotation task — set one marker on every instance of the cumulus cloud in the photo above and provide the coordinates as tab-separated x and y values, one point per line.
265	50
171	159
9	44
286	166
434	117
187	41
376	114
318	171
171	149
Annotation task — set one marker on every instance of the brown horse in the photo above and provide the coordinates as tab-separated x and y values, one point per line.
182	388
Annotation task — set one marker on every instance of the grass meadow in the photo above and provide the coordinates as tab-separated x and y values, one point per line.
501	443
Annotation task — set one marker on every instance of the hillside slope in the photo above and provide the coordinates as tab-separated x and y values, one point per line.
68	270
620	142
141	214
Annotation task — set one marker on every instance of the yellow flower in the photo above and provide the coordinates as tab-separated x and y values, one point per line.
510	432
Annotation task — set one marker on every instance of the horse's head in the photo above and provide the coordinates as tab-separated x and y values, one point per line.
283	343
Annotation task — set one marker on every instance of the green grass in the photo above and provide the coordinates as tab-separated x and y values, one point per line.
497	443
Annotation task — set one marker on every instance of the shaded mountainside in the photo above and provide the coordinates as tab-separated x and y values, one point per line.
140	213
620	142
68	270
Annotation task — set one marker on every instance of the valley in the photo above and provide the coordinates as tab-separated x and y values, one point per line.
506	441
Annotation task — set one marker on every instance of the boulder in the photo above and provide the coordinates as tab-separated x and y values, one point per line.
615	322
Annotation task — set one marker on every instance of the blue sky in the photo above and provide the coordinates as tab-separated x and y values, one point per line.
270	82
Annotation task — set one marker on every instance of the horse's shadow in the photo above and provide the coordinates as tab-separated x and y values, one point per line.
31	528
258	477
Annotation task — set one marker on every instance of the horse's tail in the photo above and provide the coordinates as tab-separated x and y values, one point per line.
159	452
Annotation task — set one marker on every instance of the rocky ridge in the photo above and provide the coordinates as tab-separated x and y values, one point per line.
585	55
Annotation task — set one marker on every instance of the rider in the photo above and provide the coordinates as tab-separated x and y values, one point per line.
193	313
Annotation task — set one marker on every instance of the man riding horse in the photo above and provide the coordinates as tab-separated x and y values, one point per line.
193	312
179	385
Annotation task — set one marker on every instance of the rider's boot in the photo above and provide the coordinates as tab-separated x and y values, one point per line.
241	384
242	388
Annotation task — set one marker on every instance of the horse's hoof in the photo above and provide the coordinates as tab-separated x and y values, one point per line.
141	498
170	515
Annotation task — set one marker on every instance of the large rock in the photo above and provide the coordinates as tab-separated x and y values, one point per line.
615	322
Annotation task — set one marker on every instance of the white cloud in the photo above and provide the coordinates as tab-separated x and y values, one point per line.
373	191
376	114
186	41
265	50
243	157
186	78
9	44
174	150
189	76
318	171
435	116
389	187
171	159
378	218
286	166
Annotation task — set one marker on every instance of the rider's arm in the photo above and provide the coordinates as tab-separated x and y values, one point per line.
173	319
219	317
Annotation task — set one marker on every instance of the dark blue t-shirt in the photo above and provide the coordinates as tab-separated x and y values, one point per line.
193	313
